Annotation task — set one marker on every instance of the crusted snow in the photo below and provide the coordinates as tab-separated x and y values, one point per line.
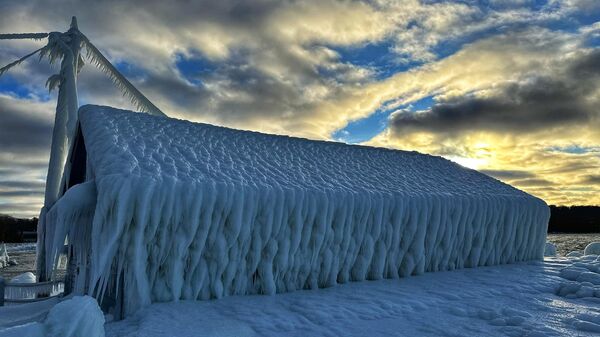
522	299
185	210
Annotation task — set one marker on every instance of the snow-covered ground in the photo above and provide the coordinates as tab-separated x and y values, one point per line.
557	297
508	300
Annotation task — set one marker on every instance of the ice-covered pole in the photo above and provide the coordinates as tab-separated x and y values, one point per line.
63	133
67	46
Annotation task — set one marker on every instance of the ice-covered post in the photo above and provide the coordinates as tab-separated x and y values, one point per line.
63	133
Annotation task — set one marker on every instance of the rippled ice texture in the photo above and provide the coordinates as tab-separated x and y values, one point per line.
184	210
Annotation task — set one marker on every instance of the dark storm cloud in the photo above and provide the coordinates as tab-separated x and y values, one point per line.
27	185
533	182
13	194
531	103
22	130
591	179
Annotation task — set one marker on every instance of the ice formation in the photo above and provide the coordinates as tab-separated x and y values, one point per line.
172	210
79	316
27	277
24	286
550	249
592	249
4	258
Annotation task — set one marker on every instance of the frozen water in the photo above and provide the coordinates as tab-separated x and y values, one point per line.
550	249
180	210
79	316
592	249
4	258
575	254
27	277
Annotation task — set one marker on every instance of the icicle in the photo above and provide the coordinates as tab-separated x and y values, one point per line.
246	213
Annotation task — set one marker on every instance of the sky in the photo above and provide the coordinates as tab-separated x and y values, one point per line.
510	88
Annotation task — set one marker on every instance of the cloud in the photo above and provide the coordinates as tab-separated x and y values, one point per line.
508	174
24	127
529	103
591	179
275	67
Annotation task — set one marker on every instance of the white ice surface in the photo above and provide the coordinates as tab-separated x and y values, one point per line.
11	315
184	210
77	316
510	300
4	257
20	247
592	249
550	249
27	277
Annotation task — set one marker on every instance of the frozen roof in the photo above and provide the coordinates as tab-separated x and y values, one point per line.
120	142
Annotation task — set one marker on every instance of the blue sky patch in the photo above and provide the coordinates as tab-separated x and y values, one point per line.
130	70
194	67
9	85
366	128
378	56
575	149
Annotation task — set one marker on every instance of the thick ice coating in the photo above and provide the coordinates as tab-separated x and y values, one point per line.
193	211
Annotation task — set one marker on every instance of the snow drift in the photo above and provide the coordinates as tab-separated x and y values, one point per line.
172	210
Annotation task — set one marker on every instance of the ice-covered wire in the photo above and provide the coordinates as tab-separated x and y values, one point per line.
131	92
21	36
17	62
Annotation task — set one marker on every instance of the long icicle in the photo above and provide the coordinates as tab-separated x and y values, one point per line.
136	97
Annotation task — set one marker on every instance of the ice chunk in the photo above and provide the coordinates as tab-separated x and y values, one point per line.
550	249
79	316
592	249
27	277
575	254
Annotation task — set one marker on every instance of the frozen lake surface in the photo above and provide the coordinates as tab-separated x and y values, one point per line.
566	243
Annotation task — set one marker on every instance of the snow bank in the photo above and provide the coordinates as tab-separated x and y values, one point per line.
179	210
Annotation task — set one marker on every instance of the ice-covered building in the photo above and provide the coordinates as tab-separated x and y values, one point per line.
160	209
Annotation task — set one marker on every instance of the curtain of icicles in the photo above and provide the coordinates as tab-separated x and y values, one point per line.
164	239
24	292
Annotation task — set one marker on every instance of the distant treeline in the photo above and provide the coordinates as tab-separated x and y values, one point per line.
17	230
574	219
563	219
